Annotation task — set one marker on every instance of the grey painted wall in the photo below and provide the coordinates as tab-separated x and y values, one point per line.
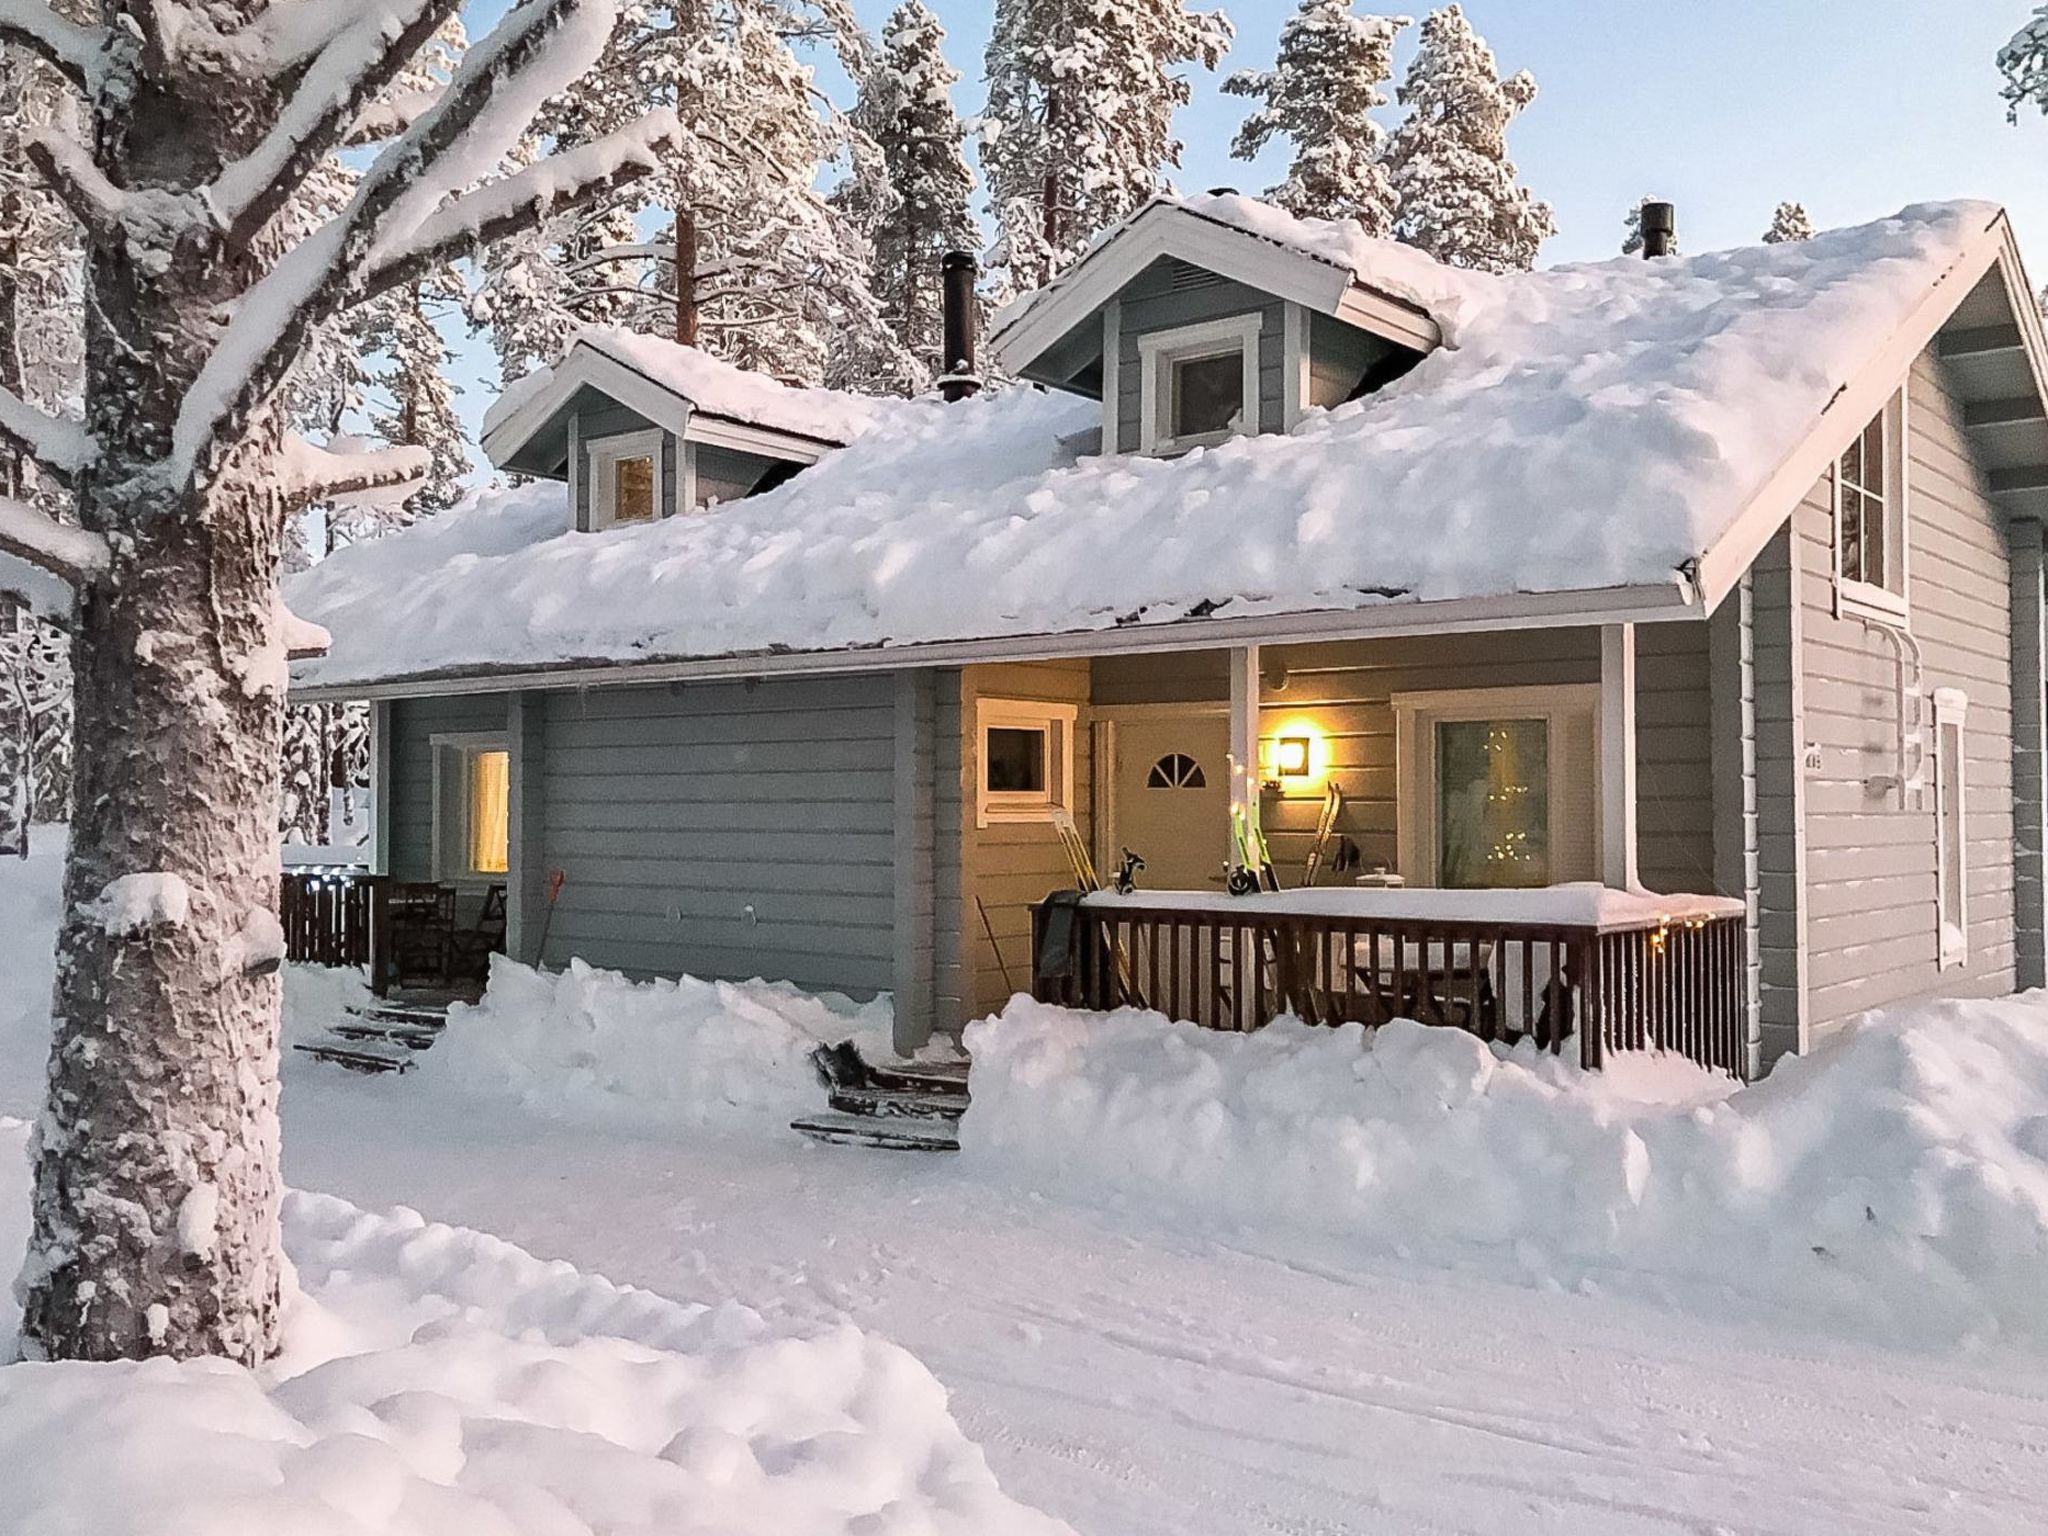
726	474
1871	928
414	724
596	417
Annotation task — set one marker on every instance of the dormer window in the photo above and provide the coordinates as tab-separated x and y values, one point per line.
626	479
1199	384
1870	517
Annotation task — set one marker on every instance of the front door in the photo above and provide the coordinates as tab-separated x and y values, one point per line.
1172	785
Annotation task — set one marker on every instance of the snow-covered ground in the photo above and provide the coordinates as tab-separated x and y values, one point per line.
1152	1321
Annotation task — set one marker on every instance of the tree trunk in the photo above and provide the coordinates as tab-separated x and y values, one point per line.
156	1159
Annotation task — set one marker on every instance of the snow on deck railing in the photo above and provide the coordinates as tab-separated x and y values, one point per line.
1615	970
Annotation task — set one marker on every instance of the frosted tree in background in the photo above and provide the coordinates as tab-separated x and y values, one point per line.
1320	95
1790	222
1632	228
782	275
2024	63
1454	185
1080	109
415	401
156	1157
909	197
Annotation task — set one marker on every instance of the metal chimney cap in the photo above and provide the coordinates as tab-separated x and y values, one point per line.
957	261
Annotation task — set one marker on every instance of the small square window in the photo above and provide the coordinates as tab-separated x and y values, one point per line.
1208	394
633	490
1025	750
626	479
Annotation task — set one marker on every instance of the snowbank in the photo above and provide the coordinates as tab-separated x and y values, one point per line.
437	1380
31	902
1641	404
593	1046
1895	1182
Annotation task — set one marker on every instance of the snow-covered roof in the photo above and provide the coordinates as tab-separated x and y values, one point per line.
1586	428
706	384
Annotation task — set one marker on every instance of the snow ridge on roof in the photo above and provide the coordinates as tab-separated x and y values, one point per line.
711	385
1592	426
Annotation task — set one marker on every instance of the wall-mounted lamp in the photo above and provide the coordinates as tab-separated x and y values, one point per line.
1291	757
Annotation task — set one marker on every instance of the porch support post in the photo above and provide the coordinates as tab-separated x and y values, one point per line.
381	807
1244	747
2029	756
1618	755
526	879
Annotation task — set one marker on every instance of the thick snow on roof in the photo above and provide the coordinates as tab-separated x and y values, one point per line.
710	384
1588	426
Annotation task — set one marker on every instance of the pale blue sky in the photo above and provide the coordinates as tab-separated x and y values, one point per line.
1855	107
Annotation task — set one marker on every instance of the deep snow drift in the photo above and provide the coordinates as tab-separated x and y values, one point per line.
592	1046
438	1381
1640	404
1894	1183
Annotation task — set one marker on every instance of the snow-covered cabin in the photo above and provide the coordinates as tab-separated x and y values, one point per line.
1718	576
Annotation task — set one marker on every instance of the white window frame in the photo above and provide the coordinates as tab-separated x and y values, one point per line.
1855	598
1158	351
605	454
1952	929
1416	717
462	747
1058	721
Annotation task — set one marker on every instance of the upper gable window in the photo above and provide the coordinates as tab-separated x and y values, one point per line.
1199	384
626	479
1870	517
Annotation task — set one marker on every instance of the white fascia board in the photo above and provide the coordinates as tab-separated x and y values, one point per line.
723	432
1661	603
1165	230
585	366
1854	404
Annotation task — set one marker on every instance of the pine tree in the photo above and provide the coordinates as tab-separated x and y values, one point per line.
1080	104
155	1222
417	404
1632	229
909	192
1790	222
782	274
1320	95
2024	63
1454	184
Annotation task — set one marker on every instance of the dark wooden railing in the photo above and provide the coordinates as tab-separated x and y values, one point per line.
331	916
1675	985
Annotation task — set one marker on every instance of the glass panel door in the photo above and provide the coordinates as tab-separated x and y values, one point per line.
1493	803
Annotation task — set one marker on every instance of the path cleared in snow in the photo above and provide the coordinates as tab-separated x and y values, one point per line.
1136	1377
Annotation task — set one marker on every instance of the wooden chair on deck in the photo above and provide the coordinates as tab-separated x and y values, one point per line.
472	948
422	918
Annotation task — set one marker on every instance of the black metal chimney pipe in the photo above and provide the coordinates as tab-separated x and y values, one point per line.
957	273
1660	229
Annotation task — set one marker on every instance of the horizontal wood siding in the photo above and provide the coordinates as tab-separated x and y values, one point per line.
726	474
1150	303
1780	802
414	724
1675	761
1870	865
1011	866
726	831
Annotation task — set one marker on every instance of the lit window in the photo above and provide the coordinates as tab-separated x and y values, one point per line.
1026	754
626	479
1951	840
1198	384
490	812
1493	803
1870	523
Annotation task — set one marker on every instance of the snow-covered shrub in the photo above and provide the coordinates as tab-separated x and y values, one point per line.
1895	1182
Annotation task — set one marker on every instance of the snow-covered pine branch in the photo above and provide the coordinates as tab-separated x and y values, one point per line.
390	115
72	554
475	219
58	445
305	473
80	53
2024	63
345	77
538	49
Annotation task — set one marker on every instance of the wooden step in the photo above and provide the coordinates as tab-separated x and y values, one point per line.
419	1015
898	1103
893	1135
356	1056
411	1038
921	1076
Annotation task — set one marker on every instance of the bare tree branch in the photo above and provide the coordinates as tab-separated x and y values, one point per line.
346	76
79	53
60	447
560	183
71	554
76	182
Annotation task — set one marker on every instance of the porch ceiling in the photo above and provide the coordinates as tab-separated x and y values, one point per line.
1983	352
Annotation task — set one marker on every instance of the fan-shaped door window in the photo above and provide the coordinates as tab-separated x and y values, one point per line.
1176	770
